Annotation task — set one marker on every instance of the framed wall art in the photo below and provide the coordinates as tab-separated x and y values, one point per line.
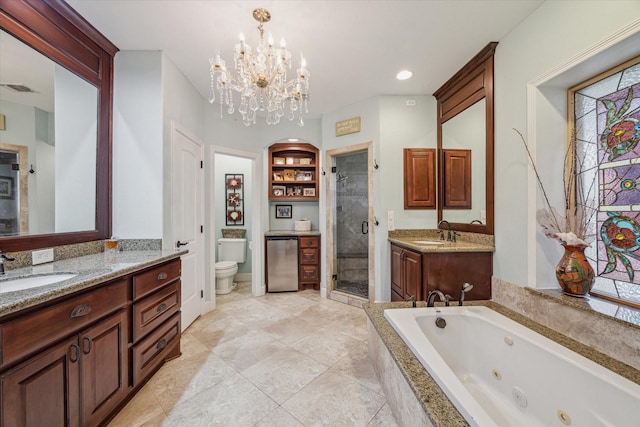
283	211
235	199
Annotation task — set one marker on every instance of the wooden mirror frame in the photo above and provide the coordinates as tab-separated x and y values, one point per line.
472	83
57	31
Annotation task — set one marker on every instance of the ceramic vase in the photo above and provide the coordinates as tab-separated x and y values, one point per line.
574	273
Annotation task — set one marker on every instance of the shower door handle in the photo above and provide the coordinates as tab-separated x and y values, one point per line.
365	227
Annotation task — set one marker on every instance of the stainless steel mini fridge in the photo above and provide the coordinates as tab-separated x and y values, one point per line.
282	263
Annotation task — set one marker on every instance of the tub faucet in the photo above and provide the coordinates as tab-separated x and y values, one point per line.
466	287
412	298
431	298
2	258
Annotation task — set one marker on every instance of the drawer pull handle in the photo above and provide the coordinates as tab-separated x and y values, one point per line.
308	256
74	353
80	310
162	307
86	345
161	344
309	243
162	276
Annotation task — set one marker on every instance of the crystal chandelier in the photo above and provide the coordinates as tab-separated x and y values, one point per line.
261	79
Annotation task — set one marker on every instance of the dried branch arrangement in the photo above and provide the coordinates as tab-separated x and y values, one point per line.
580	206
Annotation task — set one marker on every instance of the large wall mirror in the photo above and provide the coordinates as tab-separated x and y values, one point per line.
55	148
465	146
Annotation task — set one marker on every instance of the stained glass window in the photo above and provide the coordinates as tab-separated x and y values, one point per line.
606	119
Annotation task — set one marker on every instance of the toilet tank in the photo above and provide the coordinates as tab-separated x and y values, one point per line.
232	249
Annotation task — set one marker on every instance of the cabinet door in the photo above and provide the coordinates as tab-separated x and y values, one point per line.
397	271
43	391
419	178
104	367
412	274
448	271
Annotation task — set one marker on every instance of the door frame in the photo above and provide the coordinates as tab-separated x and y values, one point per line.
330	191
255	243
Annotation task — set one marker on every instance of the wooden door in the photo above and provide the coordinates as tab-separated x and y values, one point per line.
104	367
419	178
43	391
188	219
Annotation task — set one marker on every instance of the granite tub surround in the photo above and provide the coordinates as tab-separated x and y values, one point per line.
612	329
466	242
90	269
435	404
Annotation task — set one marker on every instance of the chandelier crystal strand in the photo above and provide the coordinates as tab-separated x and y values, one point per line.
261	79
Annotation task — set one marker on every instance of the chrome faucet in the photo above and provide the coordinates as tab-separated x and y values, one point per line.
466	287
412	298
2	258
431	298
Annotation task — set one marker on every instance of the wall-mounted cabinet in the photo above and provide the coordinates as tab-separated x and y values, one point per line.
419	178
293	172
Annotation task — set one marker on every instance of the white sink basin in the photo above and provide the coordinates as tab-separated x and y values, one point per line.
30	282
429	242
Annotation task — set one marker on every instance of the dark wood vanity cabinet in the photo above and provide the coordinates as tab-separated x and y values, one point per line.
416	274
447	271
75	360
309	261
406	274
77	381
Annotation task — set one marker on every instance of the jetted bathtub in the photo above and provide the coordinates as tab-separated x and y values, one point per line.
497	372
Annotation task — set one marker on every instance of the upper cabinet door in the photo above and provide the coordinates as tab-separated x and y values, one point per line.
419	178
457	179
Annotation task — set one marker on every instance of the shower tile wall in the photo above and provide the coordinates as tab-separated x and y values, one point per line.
351	211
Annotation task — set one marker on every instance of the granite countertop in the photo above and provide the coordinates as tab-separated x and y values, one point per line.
90	269
276	233
465	242
434	401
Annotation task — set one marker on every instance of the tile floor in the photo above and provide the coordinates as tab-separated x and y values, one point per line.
287	359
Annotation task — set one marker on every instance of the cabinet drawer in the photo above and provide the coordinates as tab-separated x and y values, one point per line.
151	311
149	353
308	242
29	333
151	280
309	273
308	256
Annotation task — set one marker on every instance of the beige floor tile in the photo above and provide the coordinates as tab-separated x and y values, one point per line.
279	418
334	400
326	346
284	373
213	333
178	382
248	349
234	402
190	346
293	329
143	409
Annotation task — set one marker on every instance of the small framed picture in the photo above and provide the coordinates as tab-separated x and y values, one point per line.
309	192
277	176
7	188
289	160
278	160
278	190
283	211
289	175
307	176
298	190
305	161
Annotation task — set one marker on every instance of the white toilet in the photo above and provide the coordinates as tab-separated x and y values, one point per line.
230	253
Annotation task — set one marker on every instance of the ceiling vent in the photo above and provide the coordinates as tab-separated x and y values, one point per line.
18	88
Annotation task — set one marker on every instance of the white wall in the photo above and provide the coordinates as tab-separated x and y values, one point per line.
555	33
391	126
137	146
76	106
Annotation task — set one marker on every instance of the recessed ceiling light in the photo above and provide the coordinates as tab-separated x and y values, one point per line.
404	75
293	140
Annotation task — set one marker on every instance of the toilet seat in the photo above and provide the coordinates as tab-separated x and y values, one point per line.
225	265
